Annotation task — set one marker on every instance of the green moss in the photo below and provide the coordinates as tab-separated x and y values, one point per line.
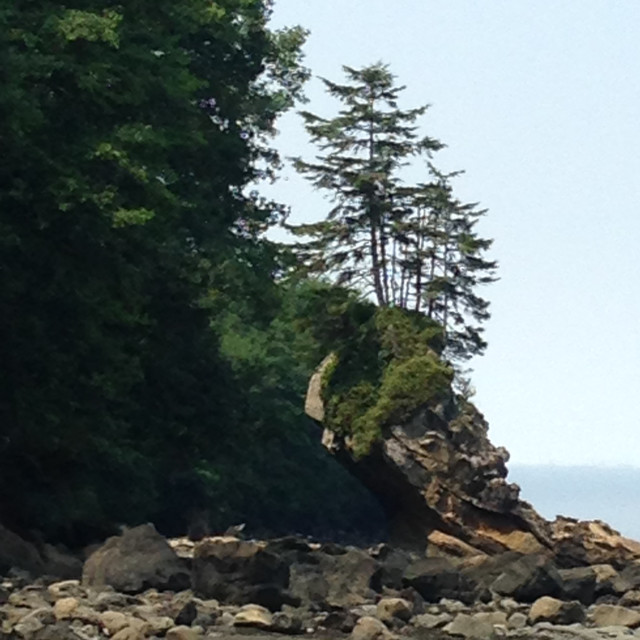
408	373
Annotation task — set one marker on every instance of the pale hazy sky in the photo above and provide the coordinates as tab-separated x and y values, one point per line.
539	102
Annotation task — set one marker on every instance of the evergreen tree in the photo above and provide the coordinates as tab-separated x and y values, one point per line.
410	246
363	150
446	265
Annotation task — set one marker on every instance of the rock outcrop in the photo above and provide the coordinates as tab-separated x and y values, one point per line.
444	486
441	481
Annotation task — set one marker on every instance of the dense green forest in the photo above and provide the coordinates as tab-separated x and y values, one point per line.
156	346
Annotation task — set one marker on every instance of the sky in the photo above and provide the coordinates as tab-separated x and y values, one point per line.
539	102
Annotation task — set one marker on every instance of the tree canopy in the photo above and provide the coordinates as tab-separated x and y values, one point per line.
130	253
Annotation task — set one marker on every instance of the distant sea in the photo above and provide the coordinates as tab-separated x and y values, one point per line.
611	494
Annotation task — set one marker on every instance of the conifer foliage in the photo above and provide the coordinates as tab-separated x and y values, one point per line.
409	246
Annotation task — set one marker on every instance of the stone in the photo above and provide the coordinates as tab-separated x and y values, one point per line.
34	621
630	599
225	619
113	621
607	615
139	559
390	609
579	583
479	625
314	405
241	572
431	620
369	628
187	614
436	578
440	545
129	633
253	616
64	608
392	563
158	625
517	620
106	598
182	633
528	578
341	580
30	597
65	589
340	620
548	609
287	623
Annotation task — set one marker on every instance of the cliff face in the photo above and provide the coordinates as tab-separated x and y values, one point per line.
440	479
443	486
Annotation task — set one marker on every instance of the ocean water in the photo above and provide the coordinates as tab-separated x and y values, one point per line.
611	494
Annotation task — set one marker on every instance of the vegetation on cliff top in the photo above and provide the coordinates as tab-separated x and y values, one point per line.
386	364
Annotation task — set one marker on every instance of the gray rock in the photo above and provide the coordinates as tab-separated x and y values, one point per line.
139	559
437	578
478	625
431	620
517	620
338	580
528	578
241	572
287	623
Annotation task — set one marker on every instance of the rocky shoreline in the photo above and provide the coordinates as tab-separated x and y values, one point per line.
139	586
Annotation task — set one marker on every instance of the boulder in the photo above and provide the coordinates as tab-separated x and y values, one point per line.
241	572
390	610
608	615
392	563
18	553
137	560
579	583
341	580
528	578
436	578
548	609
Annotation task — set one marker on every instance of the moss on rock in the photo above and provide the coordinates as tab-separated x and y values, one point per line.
361	401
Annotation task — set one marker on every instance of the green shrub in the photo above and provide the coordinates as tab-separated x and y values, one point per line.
361	401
